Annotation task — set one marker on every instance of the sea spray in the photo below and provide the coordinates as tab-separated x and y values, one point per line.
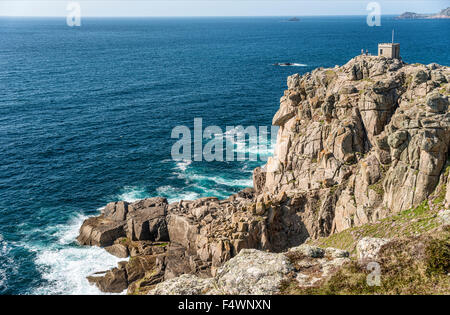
65	265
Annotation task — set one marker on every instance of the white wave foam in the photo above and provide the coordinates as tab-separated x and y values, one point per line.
223	181
174	194
183	165
132	194
65	265
7	263
293	65
253	147
4	251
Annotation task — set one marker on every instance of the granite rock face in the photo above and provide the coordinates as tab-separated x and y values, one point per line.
139	221
356	143
368	139
257	272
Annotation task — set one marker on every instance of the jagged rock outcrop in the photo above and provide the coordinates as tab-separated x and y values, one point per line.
257	272
443	14
356	143
203	234
368	139
138	221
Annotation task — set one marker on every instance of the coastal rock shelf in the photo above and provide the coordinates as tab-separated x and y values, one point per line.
356	144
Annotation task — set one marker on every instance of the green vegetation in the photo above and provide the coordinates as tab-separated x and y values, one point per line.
438	257
415	261
407	223
144	285
413	265
330	75
378	188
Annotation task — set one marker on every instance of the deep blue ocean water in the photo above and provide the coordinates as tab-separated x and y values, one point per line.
86	116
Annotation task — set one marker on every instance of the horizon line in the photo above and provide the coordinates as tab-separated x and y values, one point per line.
188	16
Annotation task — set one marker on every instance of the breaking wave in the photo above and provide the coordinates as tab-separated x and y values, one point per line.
65	265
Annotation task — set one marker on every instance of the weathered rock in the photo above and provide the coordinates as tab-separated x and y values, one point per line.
139	221
177	262
253	272
100	231
309	251
259	179
257	272
314	272
116	211
437	103
184	285
148	224
118	250
368	248
444	217
137	267
336	253
115	281
250	272
375	131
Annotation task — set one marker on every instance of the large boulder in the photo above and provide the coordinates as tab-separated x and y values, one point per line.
253	272
139	221
250	272
146	220
368	248
137	266
114	280
118	250
186	284
148	224
177	262
100	231
116	211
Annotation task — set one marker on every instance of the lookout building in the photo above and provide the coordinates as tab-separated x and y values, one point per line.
390	50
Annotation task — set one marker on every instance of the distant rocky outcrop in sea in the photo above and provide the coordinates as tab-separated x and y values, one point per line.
357	144
444	14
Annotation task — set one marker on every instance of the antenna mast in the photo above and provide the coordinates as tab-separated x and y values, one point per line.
392	36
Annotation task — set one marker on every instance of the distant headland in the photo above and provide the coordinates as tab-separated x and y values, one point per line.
444	14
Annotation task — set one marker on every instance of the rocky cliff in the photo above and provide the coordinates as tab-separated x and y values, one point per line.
356	144
444	14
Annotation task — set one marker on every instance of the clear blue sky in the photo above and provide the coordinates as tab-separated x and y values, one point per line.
216	7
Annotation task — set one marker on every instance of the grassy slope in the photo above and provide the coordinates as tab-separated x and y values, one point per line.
416	261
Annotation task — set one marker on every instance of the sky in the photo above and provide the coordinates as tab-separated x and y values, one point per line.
108	8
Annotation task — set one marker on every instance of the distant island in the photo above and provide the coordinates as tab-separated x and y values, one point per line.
294	19
444	14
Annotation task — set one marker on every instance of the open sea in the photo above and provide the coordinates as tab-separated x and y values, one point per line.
86	116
